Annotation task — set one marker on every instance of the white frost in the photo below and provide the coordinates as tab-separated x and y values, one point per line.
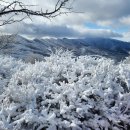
64	92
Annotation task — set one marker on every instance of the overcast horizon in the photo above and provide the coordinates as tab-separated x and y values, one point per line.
96	18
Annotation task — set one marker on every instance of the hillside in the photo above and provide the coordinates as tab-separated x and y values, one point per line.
38	48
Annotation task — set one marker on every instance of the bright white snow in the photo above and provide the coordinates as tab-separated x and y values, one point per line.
64	92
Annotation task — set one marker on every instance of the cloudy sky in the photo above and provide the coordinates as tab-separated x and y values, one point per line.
98	18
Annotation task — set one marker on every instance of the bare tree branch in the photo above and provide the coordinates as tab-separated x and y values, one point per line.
18	8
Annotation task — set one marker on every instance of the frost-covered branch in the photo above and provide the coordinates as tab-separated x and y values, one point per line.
17	8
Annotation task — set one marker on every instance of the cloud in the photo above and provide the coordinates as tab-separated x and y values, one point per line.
105	10
101	33
125	20
126	37
102	12
111	14
98	11
58	31
41	30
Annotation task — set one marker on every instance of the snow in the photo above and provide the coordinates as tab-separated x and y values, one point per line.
64	92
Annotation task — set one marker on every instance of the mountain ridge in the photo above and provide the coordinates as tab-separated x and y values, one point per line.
38	47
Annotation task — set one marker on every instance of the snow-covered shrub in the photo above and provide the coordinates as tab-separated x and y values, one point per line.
65	92
8	66
127	60
32	58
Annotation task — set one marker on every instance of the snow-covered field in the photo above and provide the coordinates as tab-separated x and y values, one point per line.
64	92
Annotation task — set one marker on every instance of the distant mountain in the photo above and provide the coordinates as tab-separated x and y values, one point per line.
38	48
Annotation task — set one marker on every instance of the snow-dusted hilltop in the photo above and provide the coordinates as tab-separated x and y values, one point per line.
38	48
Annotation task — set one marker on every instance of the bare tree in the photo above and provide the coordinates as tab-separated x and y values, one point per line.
6	39
17	8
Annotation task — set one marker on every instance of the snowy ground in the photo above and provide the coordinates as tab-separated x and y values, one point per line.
64	93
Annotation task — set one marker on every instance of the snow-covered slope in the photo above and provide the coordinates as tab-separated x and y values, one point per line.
38	48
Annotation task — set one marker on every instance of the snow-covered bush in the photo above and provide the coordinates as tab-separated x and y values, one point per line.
65	92
127	60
